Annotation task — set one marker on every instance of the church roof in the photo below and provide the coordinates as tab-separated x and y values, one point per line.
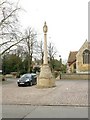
86	45
72	56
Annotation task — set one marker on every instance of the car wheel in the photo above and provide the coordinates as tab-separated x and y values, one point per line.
27	84
18	85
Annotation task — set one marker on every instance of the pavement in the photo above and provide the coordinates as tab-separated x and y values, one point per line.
29	111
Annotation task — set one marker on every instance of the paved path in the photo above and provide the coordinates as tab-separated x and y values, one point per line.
24	111
66	92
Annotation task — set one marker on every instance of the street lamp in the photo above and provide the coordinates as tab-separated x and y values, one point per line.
60	61
60	65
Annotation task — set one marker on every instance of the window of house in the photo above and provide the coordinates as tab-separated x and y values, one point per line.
86	57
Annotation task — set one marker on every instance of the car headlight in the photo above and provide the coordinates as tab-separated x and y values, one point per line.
17	80
27	80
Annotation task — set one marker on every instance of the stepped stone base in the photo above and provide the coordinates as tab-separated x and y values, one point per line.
45	79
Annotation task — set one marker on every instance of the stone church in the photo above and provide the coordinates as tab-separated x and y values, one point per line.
79	61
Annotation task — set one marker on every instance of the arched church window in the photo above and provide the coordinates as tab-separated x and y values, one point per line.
86	57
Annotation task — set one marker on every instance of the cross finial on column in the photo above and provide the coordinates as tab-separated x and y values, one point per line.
45	28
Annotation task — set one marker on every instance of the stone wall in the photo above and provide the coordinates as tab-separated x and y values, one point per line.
76	76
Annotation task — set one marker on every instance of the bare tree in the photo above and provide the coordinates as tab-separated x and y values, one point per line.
51	54
40	50
51	51
28	45
9	26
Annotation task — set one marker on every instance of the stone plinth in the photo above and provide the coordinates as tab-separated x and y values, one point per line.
45	79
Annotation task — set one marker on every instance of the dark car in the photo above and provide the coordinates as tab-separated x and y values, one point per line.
28	79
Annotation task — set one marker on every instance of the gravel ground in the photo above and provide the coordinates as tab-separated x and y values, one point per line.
66	92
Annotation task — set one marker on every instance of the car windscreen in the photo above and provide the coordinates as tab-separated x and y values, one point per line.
25	77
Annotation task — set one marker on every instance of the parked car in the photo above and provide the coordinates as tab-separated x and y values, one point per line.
28	79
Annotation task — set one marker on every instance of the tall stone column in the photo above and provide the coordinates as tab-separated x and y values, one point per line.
45	79
45	43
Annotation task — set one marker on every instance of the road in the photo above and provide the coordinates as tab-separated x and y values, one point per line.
69	99
66	92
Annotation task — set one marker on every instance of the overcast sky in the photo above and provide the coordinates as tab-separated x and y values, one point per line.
67	22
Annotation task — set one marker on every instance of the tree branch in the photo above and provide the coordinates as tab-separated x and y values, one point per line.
12	46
